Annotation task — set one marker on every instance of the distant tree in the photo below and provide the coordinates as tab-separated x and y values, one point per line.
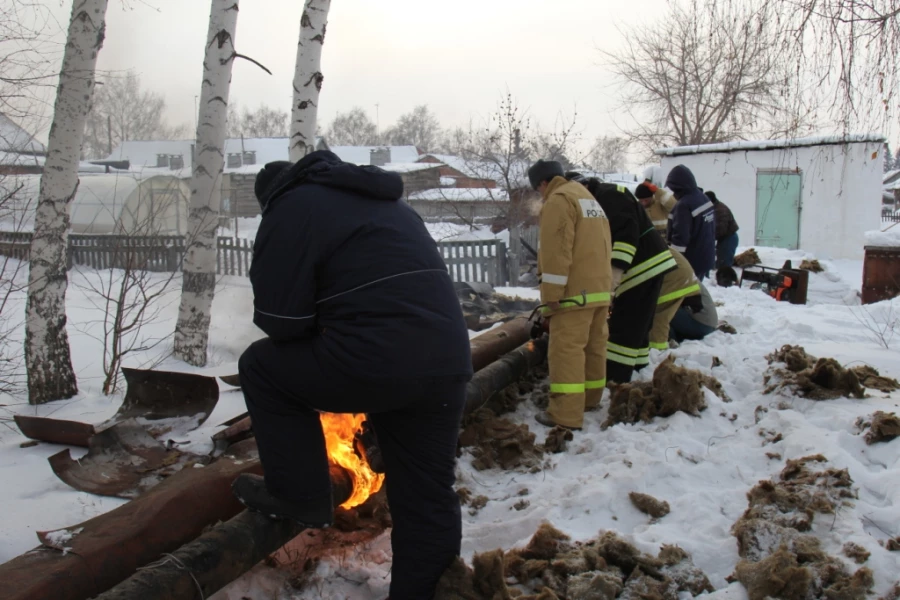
418	127
124	111
608	154
352	128
890	163
704	74
263	122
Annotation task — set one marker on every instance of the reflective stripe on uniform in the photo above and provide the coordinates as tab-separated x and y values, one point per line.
614	356
679	293
554	279
595	385
662	262
661	222
567	388
701	209
681	249
624	257
575	301
624	350
659	345
624	247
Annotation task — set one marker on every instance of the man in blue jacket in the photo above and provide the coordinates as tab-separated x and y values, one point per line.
692	223
361	317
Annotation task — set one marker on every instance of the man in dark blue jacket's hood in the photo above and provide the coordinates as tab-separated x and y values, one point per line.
692	227
361	317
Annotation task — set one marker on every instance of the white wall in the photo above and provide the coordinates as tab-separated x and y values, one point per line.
840	197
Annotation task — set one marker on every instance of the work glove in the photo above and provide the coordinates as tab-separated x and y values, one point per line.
616	279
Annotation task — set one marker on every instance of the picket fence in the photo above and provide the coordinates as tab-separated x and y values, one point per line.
481	260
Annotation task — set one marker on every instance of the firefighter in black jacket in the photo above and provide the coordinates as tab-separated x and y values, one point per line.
361	317
640	258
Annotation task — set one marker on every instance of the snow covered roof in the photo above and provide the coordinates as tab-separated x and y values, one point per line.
461	195
891	180
360	155
9	159
742	146
409	167
16	140
143	153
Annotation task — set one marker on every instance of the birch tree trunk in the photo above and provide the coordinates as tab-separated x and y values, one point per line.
48	359
308	77
199	283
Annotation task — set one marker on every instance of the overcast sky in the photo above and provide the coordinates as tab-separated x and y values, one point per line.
458	57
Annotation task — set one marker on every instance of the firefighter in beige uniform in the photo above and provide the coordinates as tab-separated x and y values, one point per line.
679	286
574	262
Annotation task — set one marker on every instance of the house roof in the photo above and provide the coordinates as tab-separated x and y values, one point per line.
403	167
360	155
8	159
461	195
891	180
16	140
743	146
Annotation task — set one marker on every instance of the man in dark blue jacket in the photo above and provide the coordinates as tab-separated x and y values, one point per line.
361	317
692	224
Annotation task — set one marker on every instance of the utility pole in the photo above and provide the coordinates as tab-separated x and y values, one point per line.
377	123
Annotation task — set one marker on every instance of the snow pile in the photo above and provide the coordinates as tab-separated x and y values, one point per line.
889	238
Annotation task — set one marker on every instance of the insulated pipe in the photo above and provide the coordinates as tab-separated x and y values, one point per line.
486	348
217	558
202	567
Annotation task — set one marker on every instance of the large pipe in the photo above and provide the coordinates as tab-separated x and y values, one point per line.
219	557
486	348
202	567
110	547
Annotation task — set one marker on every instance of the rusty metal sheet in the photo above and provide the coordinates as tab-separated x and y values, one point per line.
55	431
881	274
161	400
237	431
123	461
110	547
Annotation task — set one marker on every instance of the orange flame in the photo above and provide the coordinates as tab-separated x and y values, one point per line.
339	432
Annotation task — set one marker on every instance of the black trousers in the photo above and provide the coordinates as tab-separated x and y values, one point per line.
628	349
417	424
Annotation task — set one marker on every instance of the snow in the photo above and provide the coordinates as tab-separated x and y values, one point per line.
821	140
890	237
361	155
405	167
702	466
462	195
15	139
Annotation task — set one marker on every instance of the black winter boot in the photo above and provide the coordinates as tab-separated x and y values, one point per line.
252	492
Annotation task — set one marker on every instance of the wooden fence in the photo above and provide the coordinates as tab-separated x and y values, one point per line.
482	260
890	216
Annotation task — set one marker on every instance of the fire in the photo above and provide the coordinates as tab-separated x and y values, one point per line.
339	431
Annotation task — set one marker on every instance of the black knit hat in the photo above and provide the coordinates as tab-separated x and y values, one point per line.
267	175
544	170
712	197
643	191
575	176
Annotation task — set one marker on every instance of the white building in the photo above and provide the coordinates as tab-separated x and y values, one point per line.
820	194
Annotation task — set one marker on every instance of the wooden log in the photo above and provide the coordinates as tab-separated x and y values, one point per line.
202	567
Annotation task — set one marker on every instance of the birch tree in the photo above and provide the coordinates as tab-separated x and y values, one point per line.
48	359
308	77
199	283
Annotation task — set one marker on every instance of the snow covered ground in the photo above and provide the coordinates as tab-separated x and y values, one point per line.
702	466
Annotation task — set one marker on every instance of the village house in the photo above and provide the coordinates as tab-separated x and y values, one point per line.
820	194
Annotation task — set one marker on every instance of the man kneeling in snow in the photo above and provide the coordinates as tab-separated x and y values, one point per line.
361	317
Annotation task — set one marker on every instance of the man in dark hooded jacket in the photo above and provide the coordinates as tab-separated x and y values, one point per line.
692	223
361	317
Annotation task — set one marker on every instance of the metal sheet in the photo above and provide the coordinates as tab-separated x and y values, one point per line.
55	431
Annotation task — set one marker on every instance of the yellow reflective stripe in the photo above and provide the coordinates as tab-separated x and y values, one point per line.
567	388
644	351
642	360
621	359
679	293
647	264
610	347
595	385
659	345
594	298
624	247
621	188
624	257
647	275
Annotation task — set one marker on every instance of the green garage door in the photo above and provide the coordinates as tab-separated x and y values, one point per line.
778	210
